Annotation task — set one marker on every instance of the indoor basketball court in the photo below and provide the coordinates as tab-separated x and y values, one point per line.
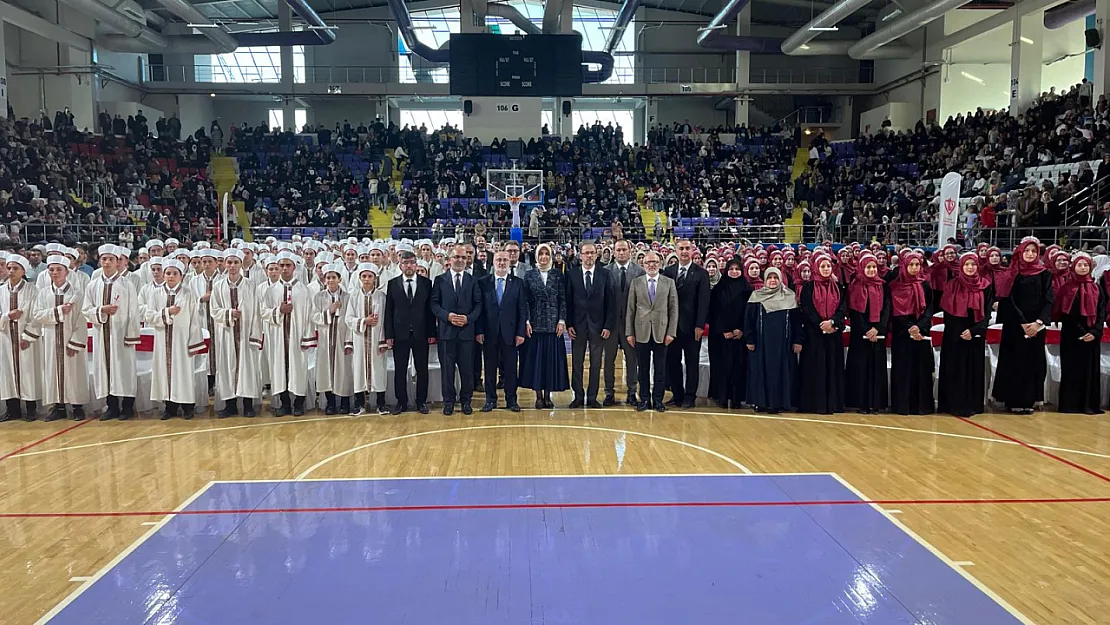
700	516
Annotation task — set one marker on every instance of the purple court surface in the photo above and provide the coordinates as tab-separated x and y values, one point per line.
478	551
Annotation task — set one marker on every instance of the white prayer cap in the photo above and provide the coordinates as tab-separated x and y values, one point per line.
378	246
156	260
269	259
405	248
324	258
173	264
237	241
123	252
367	267
194	253
336	268
287	255
4	257
406	241
296	237
179	252
172	241
233	254
54	248
363	250
107	250
207	251
57	260
21	261
202	245
367	240
350	246
40	247
69	251
154	243
423	242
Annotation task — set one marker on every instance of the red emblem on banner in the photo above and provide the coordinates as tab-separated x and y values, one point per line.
949	205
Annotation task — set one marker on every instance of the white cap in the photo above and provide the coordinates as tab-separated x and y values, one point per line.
154	243
57	260
336	268
173	263
157	260
172	241
20	260
367	267
287	255
209	252
107	250
54	248
233	254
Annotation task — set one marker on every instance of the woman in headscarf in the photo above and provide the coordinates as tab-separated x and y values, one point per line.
772	331
803	273
753	273
911	349
543	363
1024	307
1080	307
1059	265
966	304
822	360
728	359
711	269
845	266
991	264
868	312
944	269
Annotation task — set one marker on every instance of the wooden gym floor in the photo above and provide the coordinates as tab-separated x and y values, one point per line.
1020	503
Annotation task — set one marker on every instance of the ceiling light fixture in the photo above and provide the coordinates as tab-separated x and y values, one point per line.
824	29
805	47
1026	40
202	25
893	14
974	78
709	28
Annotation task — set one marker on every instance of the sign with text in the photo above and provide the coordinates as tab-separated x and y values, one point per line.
949	207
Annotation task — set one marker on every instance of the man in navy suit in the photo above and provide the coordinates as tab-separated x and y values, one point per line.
457	304
504	316
591	318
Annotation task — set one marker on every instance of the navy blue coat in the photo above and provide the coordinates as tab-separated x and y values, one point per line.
506	321
546	304
468	301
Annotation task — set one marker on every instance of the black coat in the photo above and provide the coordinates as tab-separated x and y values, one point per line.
594	311
467	301
547	304
404	319
693	297
506	321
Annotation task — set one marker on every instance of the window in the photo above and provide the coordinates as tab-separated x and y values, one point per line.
434	29
619	118
432	120
247	65
277	118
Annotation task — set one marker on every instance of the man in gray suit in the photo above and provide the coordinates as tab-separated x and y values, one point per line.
651	322
624	272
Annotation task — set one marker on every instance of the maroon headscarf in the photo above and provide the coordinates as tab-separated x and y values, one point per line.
826	292
1083	287
907	295
756	282
1004	280
865	294
942	271
964	293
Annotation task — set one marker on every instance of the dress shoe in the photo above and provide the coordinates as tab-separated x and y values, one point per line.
549	405
283	411
631	400
357	411
78	414
514	407
689	403
8	417
609	401
57	412
659	407
248	411
329	410
577	403
398	409
108	415
422	408
298	411
489	406
593	404
448	409
642	406
166	415
226	412
673	402
466	409
540	405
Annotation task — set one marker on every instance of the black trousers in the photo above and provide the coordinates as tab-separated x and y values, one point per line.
419	350
652	384
684	347
499	354
457	353
586	341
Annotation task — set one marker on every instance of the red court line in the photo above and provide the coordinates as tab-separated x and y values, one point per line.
43	440
548	506
1071	464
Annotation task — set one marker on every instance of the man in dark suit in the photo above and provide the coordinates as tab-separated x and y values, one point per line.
409	329
503	320
623	272
476	266
591	317
457	305
693	308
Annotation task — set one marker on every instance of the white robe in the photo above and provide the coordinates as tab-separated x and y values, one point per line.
20	370
177	339
76	278
333	364
236	343
201	285
145	291
367	363
65	377
270	333
114	337
294	337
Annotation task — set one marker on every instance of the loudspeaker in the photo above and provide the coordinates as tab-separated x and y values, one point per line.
514	150
468	106
1094	39
566	107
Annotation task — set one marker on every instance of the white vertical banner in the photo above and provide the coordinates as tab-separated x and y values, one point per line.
225	225
949	207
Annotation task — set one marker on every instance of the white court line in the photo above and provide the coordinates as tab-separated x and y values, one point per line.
953	565
894	512
149	523
964	563
386	478
79	579
352	450
119	558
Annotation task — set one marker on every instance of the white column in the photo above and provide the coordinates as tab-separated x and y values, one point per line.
288	106
1102	54
651	116
3	74
1026	47
743	65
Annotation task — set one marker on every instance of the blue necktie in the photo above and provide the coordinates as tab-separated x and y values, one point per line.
651	290
500	289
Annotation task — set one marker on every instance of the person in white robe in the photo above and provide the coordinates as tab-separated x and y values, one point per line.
174	315
201	285
237	341
287	308
368	364
334	348
64	333
20	359
111	307
269	332
156	281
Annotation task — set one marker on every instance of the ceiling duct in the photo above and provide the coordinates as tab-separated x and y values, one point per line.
827	19
221	40
875	42
1060	16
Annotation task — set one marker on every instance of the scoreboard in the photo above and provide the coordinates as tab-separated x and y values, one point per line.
485	64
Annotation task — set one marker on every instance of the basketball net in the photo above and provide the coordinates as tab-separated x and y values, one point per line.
514	204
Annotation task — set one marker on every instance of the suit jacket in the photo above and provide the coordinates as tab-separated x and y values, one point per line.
649	320
467	301
592	311
693	297
402	317
547	303
634	271
479	268
504	321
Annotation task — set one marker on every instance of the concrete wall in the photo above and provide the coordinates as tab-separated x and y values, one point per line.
194	111
504	118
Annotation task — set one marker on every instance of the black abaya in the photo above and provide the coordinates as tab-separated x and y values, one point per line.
911	362
728	358
865	370
821	368
961	388
1019	378
772	365
1080	366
